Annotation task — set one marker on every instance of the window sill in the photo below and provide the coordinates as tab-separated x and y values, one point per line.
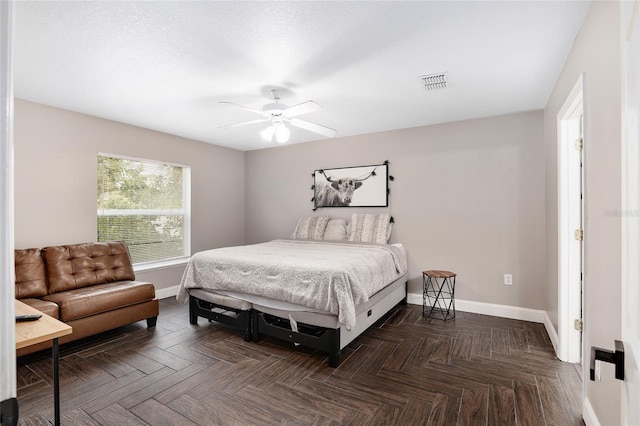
152	266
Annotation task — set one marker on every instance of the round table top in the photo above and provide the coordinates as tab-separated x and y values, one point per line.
439	274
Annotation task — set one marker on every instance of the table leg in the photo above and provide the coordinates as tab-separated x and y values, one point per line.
55	352
9	412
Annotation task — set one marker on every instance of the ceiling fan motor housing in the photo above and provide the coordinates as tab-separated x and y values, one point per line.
274	108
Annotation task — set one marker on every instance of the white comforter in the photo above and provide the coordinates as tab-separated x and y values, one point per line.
328	276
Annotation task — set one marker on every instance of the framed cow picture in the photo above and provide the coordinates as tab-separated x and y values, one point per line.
363	186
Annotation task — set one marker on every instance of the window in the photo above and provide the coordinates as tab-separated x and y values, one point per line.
146	204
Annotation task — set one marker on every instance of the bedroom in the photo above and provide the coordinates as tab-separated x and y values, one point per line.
479	171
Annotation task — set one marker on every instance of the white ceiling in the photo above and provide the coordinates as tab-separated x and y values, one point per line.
165	65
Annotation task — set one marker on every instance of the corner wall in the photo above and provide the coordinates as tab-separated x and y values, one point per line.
467	196
596	53
55	180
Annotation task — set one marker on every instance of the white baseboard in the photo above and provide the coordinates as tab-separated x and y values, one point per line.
551	331
588	414
492	309
414	299
504	311
167	292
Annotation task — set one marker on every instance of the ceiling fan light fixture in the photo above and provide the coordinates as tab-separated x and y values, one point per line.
267	134
277	130
282	134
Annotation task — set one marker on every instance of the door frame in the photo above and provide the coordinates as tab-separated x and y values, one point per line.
570	300
7	289
630	212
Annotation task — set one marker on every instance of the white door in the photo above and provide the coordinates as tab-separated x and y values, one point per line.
630	37
7	321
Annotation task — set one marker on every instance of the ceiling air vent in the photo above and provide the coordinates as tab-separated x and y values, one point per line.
435	81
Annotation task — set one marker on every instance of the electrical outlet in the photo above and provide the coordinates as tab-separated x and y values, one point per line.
508	279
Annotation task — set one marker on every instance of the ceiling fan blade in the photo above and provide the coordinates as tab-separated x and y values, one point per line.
244	123
303	108
257	111
312	127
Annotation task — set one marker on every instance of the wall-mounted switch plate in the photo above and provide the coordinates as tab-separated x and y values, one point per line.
508	279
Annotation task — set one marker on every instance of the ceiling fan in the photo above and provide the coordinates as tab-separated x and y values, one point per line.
279	114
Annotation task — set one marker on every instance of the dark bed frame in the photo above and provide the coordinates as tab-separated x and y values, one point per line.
255	324
235	318
312	336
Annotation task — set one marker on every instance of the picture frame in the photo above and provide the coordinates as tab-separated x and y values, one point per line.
360	186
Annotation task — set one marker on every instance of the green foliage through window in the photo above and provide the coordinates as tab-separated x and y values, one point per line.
143	203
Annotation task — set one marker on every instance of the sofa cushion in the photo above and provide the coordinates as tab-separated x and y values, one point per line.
43	306
87	301
80	265
31	280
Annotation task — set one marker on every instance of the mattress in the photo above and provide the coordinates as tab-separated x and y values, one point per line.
296	276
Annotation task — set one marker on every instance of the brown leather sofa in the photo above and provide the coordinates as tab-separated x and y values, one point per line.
89	286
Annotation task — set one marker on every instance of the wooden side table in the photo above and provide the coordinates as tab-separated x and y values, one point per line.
438	297
33	332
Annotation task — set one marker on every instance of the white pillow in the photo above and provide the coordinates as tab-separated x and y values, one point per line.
310	228
370	228
336	230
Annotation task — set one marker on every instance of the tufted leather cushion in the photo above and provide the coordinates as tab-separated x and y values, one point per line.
43	306
30	274
80	265
84	302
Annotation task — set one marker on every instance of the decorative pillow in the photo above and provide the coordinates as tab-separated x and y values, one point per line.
310	228
389	229
336	230
370	228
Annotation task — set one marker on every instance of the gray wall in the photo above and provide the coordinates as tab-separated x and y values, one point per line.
55	180
596	53
467	196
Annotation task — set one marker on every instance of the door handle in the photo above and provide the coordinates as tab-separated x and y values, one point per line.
613	357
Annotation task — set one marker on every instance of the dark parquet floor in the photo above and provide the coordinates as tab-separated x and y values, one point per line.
406	370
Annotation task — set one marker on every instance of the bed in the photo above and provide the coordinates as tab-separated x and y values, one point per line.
317	293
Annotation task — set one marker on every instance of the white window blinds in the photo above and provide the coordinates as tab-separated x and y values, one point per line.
145	204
